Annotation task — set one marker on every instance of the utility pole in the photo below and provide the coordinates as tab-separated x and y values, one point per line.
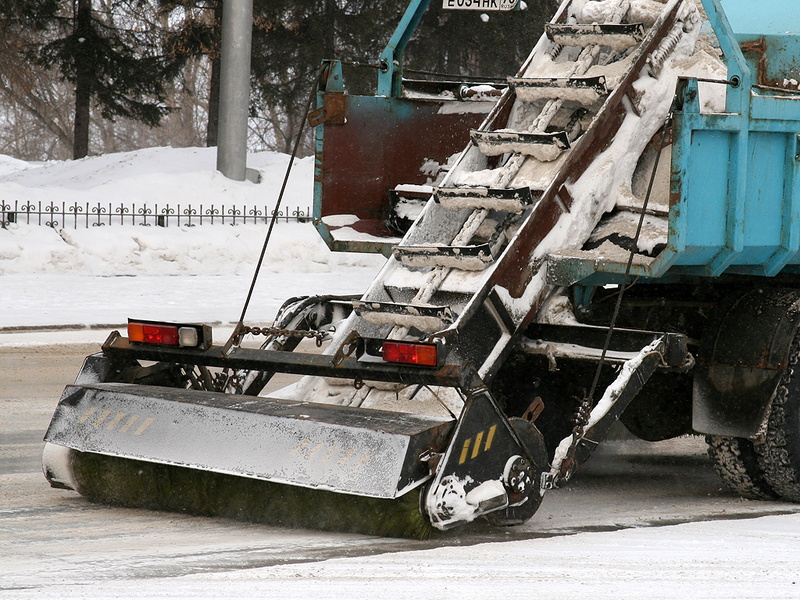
234	97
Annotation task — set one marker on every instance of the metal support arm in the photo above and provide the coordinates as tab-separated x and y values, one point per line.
390	77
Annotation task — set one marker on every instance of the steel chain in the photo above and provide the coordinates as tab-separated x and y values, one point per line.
319	336
582	416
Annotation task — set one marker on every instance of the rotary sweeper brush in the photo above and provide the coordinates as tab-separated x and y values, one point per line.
609	235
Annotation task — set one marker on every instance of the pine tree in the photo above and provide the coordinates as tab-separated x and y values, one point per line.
292	38
120	54
111	58
489	45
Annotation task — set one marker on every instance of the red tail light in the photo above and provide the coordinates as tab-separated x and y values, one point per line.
169	334
166	335
411	354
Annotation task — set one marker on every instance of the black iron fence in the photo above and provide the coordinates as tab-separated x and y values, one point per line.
77	215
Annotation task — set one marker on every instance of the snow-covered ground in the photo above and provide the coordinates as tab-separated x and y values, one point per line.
755	558
103	275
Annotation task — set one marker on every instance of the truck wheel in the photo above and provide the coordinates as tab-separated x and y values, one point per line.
779	455
737	464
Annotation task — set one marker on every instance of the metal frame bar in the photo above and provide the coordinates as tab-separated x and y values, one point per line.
295	363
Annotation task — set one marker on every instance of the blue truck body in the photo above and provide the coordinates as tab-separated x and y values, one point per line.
735	199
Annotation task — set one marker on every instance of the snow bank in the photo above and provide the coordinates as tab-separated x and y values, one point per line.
161	176
202	250
153	174
83	276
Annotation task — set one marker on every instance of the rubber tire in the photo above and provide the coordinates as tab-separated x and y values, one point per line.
736	462
779	455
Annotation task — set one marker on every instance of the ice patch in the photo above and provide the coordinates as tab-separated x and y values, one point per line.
339	220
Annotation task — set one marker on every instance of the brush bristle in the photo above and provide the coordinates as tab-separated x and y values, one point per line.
139	484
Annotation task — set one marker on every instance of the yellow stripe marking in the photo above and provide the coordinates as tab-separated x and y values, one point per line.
345	457
129	423
364	458
489	438
477	447
87	415
101	418
115	421
299	447
314	451
464	451
143	426
331	453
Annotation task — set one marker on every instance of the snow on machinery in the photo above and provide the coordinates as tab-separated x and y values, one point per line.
463	383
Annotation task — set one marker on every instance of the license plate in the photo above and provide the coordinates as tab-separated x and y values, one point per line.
480	4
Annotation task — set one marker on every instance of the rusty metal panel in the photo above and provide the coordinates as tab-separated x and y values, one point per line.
381	143
332	111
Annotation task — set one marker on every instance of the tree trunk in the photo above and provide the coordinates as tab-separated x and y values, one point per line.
83	81
329	43
212	128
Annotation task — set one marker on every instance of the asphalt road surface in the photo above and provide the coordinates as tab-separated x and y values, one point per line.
55	537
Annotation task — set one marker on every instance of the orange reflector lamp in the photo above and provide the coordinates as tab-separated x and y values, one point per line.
169	334
424	355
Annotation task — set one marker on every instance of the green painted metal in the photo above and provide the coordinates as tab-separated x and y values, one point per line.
390	77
